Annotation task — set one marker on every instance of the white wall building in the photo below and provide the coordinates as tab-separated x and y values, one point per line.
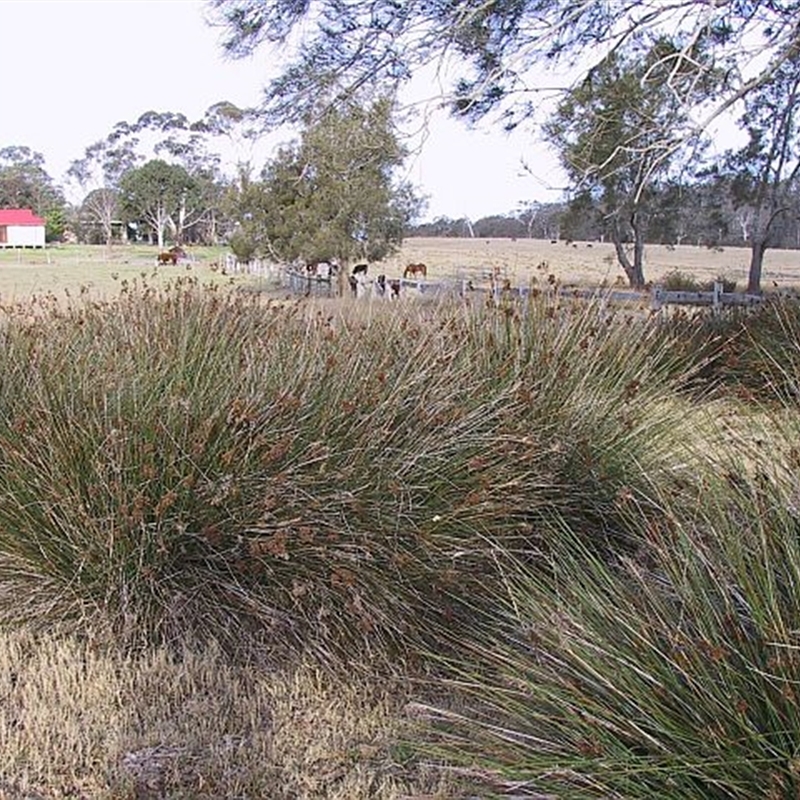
20	227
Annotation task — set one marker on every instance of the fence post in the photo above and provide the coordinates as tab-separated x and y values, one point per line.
658	298
716	300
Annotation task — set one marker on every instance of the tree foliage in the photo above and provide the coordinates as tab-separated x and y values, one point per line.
172	138
97	214
25	183
162	196
763	174
332	193
617	134
500	48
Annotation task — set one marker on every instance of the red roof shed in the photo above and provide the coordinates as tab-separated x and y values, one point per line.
20	227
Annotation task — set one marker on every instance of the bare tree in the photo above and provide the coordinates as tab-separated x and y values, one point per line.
98	174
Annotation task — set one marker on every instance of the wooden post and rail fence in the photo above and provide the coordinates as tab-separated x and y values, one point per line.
300	282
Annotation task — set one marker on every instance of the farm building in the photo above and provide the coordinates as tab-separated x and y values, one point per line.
20	227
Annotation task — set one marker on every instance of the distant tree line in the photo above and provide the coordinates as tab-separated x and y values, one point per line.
332	192
706	213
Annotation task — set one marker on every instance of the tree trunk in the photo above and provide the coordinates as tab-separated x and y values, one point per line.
634	270
637	276
757	250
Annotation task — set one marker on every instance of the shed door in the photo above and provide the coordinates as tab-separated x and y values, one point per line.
3	234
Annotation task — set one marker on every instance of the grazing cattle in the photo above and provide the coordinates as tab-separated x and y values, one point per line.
360	269
178	251
413	270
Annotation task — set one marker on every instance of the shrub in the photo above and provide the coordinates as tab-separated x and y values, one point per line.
728	284
243	247
678	281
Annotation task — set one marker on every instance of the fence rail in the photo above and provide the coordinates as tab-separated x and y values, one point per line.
716	299
255	266
312	285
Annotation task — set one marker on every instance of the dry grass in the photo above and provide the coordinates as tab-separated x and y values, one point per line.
67	269
79	723
586	263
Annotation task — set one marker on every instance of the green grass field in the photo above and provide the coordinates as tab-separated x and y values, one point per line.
68	270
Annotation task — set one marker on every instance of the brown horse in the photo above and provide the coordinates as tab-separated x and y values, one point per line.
412	270
168	257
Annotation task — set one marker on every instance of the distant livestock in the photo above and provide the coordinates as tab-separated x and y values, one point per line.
172	255
168	257
414	270
358	279
389	288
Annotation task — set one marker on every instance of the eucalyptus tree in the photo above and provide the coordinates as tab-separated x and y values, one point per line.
157	194
172	137
503	51
193	146
96	215
764	173
617	134
98	173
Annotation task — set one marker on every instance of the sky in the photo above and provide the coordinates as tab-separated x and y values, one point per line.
72	69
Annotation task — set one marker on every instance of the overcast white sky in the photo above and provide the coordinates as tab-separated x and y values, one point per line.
71	69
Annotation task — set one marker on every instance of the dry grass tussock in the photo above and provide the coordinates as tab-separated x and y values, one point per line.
586	522
78	723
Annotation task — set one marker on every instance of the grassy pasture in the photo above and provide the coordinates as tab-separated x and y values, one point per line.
586	263
101	271
69	270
